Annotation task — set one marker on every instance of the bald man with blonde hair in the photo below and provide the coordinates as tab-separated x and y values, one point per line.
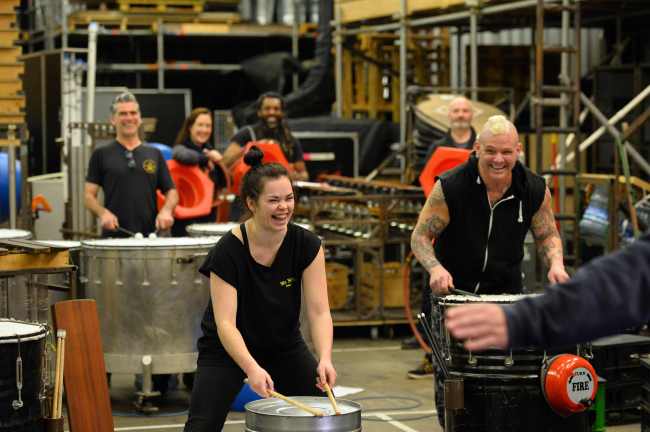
470	232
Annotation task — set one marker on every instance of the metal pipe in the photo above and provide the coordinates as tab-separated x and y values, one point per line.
338	44
473	52
624	160
564	112
294	39
613	120
160	42
402	74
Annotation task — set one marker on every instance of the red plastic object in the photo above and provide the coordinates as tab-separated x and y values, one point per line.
443	159
569	384
272	154
195	191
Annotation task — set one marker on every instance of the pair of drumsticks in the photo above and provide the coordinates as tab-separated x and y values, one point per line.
57	404
307	408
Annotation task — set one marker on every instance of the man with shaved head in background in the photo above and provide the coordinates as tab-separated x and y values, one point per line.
470	233
460	135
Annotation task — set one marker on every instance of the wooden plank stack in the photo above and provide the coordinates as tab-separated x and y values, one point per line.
12	100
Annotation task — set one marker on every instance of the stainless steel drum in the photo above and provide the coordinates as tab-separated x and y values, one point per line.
14	234
220	229
276	415
150	299
21	359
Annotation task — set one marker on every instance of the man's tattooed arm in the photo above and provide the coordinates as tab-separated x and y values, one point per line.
547	238
432	221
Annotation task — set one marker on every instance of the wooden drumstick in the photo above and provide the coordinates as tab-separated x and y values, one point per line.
330	395
302	406
61	369
55	396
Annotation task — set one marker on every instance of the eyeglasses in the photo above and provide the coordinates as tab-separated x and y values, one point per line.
129	158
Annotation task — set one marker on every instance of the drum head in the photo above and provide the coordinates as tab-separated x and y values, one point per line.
483	298
61	244
278	407
211	229
433	108
11	331
160	243
8	234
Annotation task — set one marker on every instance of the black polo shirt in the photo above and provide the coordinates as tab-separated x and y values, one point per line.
130	187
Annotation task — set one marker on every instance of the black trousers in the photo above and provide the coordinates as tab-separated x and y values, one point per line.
216	385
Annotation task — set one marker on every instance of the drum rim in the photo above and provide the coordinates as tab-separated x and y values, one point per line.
338	401
91	244
43	330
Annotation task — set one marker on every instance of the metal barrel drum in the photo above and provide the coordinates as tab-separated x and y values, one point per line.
14	234
502	389
276	415
150	300
21	378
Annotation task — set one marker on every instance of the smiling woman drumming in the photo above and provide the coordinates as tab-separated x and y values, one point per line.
250	326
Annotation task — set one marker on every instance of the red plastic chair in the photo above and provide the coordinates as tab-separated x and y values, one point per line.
443	159
272	154
195	191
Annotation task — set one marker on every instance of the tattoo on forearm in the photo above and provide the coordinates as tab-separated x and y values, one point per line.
421	241
549	243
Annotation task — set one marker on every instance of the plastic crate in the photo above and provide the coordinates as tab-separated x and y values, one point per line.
619	351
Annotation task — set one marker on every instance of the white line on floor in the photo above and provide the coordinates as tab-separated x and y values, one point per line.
382	415
398	425
368	348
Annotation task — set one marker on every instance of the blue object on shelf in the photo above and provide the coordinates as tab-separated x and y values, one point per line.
4	186
246	394
164	149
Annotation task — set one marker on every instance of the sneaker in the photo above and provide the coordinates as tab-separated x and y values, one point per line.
425	370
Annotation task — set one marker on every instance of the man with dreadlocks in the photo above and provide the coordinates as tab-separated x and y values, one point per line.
271	126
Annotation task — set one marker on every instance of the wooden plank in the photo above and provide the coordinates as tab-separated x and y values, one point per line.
11	71
12	118
161	5
12	104
25	261
7	21
84	376
9	6
9	142
126	21
10	55
10	88
8	37
357	10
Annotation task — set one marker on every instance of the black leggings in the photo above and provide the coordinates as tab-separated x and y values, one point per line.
215	386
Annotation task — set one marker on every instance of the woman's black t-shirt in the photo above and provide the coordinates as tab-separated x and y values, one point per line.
268	298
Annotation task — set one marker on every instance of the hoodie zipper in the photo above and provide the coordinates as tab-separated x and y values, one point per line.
485	259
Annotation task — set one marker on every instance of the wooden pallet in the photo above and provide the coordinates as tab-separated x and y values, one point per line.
359	10
161	5
16	119
11	71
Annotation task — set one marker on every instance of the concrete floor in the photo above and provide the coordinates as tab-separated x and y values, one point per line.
390	401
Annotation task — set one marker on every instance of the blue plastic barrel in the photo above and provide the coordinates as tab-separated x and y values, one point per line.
164	149
246	394
4	186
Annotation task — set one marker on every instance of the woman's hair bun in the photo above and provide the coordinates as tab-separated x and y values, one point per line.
253	157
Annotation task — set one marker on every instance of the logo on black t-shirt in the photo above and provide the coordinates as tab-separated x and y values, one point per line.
149	166
288	282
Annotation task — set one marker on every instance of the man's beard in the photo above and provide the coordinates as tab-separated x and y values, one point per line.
278	121
460	124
